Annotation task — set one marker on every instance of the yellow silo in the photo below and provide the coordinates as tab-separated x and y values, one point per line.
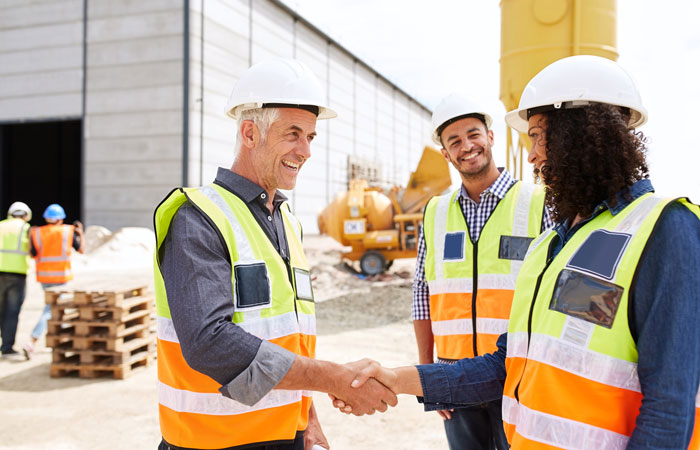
535	33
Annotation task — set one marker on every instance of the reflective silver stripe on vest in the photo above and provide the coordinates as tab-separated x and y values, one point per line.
697	399
215	404
559	432
439	233
268	328
464	285
575	359
53	273
18	249
292	222
521	223
245	251
243	247
166	330
464	326
64	248
521	216
635	219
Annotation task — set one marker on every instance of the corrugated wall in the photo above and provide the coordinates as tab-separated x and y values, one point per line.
134	102
41	59
133	127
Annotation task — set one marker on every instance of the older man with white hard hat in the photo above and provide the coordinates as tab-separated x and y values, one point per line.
235	306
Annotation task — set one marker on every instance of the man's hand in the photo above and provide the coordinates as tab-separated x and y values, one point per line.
401	380
314	434
355	386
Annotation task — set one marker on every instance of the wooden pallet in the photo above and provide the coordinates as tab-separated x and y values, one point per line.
64	312
58	297
112	297
103	311
105	357
104	328
115	344
116	371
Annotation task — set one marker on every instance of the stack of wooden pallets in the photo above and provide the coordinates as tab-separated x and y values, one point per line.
100	330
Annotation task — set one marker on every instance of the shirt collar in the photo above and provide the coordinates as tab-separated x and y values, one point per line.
244	188
636	190
498	188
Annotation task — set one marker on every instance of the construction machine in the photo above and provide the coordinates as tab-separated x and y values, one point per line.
381	227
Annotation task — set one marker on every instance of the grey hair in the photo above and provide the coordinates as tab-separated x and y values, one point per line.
262	117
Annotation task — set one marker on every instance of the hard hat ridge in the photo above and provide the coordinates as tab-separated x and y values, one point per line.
452	108
19	209
278	83
575	82
54	212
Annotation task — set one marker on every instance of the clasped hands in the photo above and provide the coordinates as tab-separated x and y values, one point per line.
364	388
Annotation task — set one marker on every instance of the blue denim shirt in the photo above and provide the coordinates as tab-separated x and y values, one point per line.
664	317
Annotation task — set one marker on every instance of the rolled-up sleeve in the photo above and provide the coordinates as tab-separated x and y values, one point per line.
197	275
469	381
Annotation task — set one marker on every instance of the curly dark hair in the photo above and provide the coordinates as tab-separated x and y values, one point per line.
592	155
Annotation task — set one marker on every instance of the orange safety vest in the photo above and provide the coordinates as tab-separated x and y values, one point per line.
471	283
193	412
571	364
53	244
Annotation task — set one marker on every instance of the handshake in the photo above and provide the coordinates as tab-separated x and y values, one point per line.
364	387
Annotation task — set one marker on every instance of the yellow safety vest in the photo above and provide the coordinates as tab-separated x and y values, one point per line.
456	267
193	413
572	377
14	245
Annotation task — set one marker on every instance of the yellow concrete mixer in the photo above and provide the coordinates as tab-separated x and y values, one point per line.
381	227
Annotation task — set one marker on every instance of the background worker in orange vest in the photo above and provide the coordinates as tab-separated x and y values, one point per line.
51	247
461	302
14	260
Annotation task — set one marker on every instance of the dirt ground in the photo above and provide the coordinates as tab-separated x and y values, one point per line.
357	318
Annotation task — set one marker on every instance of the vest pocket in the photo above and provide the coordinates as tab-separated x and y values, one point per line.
302	284
586	297
513	247
252	289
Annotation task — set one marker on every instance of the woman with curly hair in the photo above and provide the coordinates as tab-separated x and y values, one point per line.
603	342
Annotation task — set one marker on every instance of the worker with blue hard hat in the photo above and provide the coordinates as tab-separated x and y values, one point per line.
50	246
54	212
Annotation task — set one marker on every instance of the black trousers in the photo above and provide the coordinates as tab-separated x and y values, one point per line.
298	444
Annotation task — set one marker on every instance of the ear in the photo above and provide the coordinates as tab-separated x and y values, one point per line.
490	136
250	134
445	154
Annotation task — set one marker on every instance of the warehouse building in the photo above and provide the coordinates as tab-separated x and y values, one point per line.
106	105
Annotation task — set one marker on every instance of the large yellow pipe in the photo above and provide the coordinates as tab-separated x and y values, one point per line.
535	33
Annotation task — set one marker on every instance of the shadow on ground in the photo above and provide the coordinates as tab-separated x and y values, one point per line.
35	378
372	307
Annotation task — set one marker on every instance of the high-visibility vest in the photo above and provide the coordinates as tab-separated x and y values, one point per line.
573	383
193	413
53	244
456	268
14	243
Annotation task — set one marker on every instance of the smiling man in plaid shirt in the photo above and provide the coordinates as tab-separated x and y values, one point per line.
470	250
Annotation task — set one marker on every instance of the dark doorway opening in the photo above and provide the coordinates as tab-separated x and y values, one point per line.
40	164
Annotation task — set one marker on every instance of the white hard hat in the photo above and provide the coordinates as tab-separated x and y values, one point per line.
574	82
452	108
19	209
278	82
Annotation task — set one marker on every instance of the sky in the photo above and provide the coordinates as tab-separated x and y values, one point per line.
432	48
